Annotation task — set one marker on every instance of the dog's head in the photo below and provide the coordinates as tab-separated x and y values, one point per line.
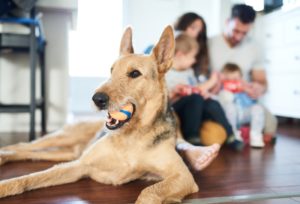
136	89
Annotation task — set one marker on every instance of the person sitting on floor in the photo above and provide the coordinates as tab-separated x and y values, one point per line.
240	109
191	100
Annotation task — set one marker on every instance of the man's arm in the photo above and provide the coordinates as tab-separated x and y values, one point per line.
258	83
259	76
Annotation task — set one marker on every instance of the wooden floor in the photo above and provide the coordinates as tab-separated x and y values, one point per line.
270	171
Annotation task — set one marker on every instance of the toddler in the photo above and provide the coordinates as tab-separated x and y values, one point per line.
240	109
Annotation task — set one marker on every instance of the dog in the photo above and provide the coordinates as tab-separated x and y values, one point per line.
141	146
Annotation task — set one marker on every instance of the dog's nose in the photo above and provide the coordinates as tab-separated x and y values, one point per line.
101	100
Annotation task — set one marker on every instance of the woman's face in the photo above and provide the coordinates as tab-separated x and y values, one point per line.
194	29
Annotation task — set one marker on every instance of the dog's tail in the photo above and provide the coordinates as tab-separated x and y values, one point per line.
59	174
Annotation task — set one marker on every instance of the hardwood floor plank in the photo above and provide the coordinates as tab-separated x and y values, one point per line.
274	169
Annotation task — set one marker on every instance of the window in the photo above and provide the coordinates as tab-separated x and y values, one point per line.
94	46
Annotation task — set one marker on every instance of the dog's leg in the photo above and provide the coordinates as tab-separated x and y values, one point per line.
66	154
177	180
70	135
58	174
56	139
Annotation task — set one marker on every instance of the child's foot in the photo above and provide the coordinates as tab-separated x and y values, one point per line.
256	140
234	143
199	157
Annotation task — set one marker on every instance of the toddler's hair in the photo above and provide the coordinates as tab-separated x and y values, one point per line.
185	43
230	68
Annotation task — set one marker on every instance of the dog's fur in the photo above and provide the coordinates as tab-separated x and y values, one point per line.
141	148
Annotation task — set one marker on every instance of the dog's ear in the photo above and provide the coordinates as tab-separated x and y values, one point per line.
164	50
126	42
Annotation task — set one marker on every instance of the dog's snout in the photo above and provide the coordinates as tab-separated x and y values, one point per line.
101	100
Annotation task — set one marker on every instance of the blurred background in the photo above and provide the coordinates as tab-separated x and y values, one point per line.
83	40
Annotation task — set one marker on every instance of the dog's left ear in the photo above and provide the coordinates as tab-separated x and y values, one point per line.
126	42
164	50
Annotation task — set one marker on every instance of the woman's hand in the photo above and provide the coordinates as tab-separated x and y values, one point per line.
215	77
177	92
204	92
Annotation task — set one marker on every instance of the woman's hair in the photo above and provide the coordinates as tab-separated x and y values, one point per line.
202	59
185	43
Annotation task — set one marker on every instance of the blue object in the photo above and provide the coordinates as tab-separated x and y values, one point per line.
148	49
27	21
243	100
126	113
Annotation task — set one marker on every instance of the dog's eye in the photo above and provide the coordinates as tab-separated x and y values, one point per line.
134	74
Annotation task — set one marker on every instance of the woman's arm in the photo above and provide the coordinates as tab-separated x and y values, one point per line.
176	92
211	82
211	86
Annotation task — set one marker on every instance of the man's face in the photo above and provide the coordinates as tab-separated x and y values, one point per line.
236	31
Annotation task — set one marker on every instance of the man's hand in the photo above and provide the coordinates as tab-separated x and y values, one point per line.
258	85
254	90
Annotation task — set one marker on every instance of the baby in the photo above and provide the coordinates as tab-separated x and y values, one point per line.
240	109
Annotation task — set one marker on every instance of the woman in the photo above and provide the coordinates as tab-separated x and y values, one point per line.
194	26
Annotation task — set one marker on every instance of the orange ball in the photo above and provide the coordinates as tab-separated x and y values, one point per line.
211	133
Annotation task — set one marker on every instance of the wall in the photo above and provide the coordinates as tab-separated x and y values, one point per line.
148	18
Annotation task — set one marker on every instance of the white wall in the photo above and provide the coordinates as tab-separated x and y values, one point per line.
149	17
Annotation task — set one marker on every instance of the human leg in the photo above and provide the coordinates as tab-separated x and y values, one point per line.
214	111
189	110
231	112
256	117
270	128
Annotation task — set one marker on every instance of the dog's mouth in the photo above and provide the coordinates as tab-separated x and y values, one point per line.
117	119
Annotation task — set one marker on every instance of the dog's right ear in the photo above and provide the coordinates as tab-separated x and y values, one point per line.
126	42
164	50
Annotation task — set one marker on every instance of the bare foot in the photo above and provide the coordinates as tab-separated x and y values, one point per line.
199	157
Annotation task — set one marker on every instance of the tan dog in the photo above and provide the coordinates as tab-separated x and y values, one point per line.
142	146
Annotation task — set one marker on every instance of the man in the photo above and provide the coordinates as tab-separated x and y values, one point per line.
235	46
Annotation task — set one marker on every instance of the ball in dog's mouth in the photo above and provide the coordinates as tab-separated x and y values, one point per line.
117	119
